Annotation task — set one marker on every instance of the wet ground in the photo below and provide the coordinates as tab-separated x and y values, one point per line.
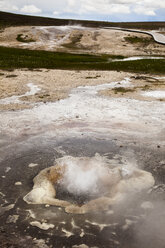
82	125
128	225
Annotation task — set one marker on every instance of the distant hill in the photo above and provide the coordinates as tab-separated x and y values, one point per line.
10	19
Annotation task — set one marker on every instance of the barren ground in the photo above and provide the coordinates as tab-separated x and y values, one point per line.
79	39
54	84
47	114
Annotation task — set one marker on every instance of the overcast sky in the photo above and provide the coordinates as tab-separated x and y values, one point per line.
108	10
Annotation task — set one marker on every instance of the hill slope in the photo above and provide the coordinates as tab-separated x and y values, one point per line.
10	19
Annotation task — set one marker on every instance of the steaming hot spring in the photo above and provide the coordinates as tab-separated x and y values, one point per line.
83	184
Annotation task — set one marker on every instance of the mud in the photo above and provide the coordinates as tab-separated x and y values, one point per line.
105	229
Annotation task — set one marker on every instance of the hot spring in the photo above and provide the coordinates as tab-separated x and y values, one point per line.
85	184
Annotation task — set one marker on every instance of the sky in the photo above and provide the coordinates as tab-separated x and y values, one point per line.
106	10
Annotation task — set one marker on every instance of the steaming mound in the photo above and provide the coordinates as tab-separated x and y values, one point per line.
102	183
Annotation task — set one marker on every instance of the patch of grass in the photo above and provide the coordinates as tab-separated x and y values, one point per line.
94	77
116	56
122	90
12	58
22	38
23	58
2	74
142	66
139	40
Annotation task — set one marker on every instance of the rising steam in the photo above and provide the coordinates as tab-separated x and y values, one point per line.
98	175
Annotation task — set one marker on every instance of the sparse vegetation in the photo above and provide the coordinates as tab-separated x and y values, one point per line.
136	90
11	58
11	76
139	40
22	38
122	90
94	77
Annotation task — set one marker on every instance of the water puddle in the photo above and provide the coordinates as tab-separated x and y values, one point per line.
136	58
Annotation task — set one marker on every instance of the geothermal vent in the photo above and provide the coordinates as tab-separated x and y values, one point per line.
83	184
